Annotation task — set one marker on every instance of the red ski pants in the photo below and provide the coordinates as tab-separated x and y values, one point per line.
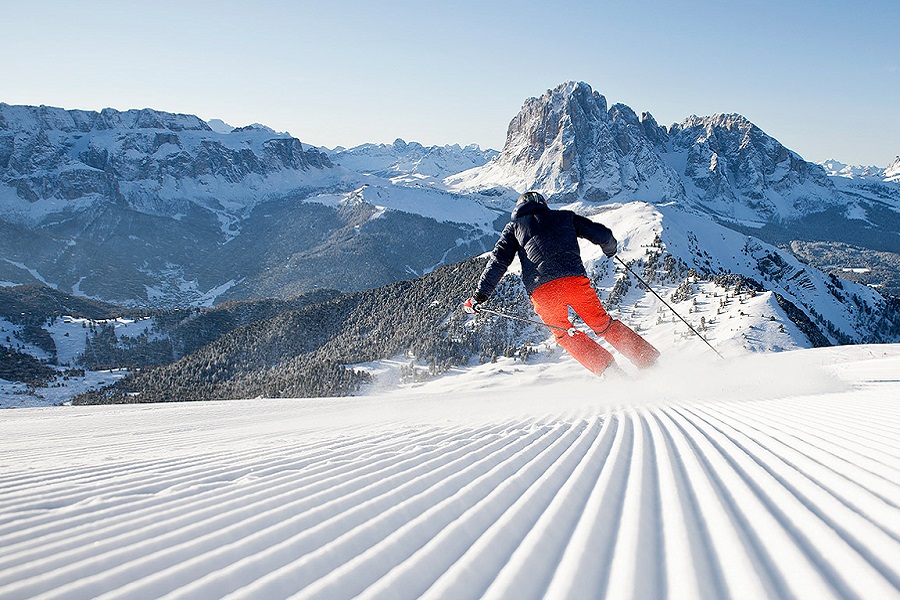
552	301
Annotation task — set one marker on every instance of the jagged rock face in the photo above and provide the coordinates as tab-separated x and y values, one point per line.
156	209
567	143
127	157
892	173
735	169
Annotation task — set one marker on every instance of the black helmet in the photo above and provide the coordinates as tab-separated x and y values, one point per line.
532	197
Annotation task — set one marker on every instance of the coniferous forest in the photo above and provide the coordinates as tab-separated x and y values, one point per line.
310	351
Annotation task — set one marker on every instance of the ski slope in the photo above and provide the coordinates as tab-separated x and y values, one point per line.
769	476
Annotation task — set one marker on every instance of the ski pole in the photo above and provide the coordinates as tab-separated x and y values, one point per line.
571	331
650	289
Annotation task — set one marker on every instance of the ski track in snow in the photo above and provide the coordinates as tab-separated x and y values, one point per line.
756	498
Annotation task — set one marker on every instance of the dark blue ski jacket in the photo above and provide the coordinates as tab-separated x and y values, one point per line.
546	241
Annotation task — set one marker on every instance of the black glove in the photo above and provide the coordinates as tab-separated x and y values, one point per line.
610	247
471	305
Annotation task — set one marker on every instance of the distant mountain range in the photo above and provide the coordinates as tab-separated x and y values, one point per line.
835	168
408	162
158	211
155	209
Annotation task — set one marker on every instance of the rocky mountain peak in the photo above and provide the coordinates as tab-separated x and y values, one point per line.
741	173
570	145
892	173
149	160
559	114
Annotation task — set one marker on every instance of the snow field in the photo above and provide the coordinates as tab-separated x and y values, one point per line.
777	476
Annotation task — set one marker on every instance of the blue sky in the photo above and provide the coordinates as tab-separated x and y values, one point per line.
823	77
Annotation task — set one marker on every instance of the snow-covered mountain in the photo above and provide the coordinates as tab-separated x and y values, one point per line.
704	210
54	161
569	144
137	207
157	209
836	168
739	173
892	173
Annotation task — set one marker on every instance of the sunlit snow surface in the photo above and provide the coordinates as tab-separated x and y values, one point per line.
768	476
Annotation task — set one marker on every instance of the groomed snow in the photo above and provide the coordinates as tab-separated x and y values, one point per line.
769	476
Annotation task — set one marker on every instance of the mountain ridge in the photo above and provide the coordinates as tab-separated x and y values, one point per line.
148	208
836	168
568	144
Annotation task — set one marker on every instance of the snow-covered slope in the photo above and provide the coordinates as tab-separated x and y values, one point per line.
683	253
437	204
769	477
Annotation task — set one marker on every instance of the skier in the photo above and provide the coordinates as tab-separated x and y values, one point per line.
546	241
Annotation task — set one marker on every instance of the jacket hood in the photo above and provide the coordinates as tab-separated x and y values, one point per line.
528	208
